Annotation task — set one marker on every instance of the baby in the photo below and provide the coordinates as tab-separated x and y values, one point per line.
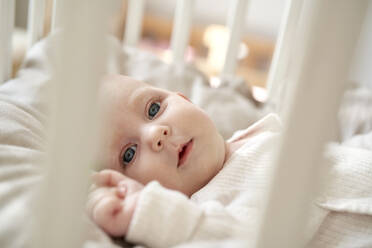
170	175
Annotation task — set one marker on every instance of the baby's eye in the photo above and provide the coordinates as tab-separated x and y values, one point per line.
153	110
129	154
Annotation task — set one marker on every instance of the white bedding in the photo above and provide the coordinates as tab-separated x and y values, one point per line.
356	115
22	117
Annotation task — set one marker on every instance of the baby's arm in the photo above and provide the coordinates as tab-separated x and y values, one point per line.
112	201
164	218
160	217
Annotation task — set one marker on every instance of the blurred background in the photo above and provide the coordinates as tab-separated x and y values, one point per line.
209	36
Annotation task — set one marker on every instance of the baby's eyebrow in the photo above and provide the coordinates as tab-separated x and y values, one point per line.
138	96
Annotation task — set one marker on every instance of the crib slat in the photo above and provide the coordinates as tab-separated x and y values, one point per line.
235	23
36	12
7	9
133	25
317	78
283	50
181	30
57	15
79	63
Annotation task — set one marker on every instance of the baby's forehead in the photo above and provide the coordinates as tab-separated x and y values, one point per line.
120	85
117	89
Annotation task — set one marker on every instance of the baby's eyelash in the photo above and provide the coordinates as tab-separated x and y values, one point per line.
128	155
153	108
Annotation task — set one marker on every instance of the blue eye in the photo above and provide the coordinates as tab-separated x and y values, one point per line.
129	154
153	110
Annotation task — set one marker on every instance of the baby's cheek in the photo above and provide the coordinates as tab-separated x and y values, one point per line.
149	167
138	170
112	161
205	123
191	115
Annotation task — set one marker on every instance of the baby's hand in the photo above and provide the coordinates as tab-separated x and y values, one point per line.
112	201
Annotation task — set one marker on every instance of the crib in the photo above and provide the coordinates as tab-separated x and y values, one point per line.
296	78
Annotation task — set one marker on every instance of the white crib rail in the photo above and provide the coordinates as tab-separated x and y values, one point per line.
7	8
57	15
73	137
133	26
325	43
36	13
181	30
235	23
283	49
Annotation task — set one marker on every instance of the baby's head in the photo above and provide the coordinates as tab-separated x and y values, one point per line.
155	134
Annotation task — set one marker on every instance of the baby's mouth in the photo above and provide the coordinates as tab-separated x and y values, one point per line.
184	152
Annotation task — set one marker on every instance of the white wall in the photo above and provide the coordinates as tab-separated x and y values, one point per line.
263	16
362	66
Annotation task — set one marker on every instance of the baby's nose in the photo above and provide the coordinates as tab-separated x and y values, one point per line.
158	136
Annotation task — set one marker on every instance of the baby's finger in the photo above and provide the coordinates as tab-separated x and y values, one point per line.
97	195
131	185
93	199
92	187
107	178
105	210
121	190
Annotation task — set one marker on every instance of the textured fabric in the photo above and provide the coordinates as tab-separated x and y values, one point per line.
229	205
348	197
355	113
21	140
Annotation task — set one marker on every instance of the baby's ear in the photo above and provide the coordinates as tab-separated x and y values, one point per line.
183	96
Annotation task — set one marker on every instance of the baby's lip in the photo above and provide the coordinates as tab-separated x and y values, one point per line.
184	152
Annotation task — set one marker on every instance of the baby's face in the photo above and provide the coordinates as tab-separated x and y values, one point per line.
155	134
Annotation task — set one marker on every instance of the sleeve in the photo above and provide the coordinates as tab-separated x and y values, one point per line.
164	218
